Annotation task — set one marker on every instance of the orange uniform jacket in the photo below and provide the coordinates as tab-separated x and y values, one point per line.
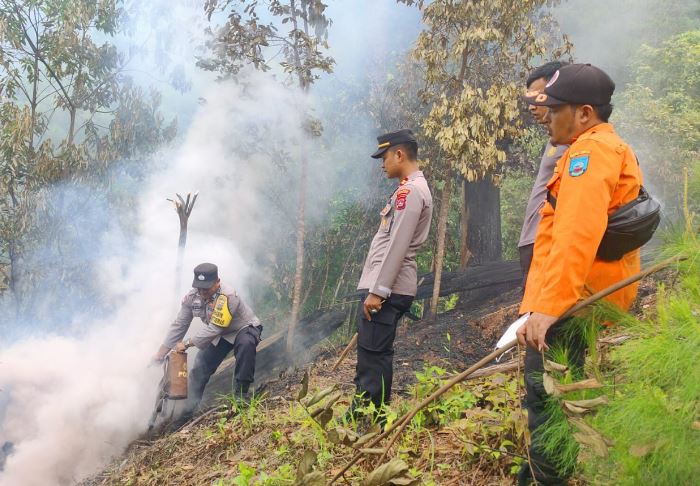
598	174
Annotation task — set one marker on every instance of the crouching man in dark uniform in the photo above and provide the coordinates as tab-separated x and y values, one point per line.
389	277
229	325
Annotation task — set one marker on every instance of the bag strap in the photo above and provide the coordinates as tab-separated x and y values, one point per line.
643	195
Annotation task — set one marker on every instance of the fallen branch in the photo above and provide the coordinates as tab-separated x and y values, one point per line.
510	365
402	422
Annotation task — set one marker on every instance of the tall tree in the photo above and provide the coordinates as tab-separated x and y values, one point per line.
475	55
298	30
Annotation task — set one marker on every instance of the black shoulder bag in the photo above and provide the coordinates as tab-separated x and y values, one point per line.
629	227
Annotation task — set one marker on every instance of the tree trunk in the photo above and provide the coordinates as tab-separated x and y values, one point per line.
299	273
301	232
183	208
464	253
181	244
482	231
34	103
440	251
13	254
71	127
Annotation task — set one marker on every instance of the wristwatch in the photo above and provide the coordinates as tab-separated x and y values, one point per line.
188	343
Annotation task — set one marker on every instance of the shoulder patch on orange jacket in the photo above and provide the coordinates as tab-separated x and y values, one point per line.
578	165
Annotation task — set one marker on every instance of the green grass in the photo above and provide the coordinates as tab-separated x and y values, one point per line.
653	384
651	416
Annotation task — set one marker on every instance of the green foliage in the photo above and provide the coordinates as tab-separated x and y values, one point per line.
531	144
659	112
556	438
75	135
471	112
648	431
654	413
249	476
647	21
297	29
483	416
246	475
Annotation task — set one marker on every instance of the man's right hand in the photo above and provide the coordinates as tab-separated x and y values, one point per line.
372	305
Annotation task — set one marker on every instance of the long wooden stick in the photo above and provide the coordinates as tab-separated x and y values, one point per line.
345	352
401	423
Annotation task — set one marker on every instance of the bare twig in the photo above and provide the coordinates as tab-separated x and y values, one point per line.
345	352
199	419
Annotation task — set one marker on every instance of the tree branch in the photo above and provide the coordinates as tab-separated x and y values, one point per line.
35	49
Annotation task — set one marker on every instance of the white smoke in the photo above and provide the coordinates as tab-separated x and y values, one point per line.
73	403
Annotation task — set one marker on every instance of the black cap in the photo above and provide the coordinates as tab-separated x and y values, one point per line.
388	140
205	275
575	84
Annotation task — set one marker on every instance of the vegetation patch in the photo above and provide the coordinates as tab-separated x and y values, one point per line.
475	429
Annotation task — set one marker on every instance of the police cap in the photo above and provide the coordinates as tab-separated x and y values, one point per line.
575	84
205	275
392	139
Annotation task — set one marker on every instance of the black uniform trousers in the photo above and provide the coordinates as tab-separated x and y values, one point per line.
209	359
375	349
544	471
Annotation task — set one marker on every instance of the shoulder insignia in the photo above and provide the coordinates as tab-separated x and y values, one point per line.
401	198
552	150
578	165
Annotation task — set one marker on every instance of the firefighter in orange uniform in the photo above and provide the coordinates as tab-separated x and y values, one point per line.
594	177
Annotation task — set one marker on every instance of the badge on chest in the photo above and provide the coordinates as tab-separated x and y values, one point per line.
197	308
385	214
